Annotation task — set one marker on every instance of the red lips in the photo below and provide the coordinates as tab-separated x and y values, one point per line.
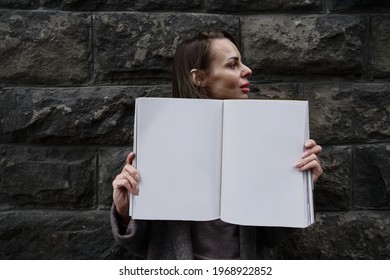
245	87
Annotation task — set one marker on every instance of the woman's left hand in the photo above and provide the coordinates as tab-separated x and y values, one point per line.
310	160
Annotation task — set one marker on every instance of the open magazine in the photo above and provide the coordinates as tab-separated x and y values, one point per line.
234	160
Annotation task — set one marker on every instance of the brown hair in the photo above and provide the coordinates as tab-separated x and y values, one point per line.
194	53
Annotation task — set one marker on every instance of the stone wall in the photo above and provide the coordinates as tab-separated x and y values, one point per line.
71	70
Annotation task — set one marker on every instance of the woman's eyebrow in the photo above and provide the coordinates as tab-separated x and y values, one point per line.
236	58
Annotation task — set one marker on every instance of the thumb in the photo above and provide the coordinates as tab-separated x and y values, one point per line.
130	158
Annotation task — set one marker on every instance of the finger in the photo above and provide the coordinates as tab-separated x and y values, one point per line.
125	180
317	149
130	158
311	165
306	160
119	183
315	168
310	143
132	171
133	183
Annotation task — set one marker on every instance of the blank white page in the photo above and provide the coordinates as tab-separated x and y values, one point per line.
178	156
262	142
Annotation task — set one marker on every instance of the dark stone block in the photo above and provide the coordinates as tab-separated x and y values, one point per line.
276	91
358	5
379	47
144	5
264	5
58	236
47	177
294	45
70	5
30	4
41	47
98	5
342	236
134	47
111	163
349	112
332	191
371	176
148	5
102	115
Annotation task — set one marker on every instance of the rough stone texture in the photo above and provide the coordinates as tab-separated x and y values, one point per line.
266	5
342	236
59	235
379	46
315	44
71	70
276	91
29	4
371	177
51	48
144	44
98	115
358	5
111	162
101	5
333	190
48	177
349	112
97	5
168	5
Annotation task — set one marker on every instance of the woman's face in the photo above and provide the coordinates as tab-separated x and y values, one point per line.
227	77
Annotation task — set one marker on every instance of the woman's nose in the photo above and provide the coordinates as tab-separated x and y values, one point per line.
246	72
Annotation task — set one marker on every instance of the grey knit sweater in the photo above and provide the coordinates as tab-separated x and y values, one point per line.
171	240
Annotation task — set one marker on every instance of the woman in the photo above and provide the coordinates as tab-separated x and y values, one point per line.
206	66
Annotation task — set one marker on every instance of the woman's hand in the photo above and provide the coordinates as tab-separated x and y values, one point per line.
124	184
310	160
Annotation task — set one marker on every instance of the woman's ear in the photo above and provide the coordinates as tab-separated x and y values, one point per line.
198	77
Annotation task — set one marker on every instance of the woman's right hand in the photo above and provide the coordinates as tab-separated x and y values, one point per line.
124	184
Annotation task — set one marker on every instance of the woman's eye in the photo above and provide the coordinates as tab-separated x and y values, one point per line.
234	66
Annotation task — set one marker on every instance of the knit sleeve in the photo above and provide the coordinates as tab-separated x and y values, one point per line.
134	236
